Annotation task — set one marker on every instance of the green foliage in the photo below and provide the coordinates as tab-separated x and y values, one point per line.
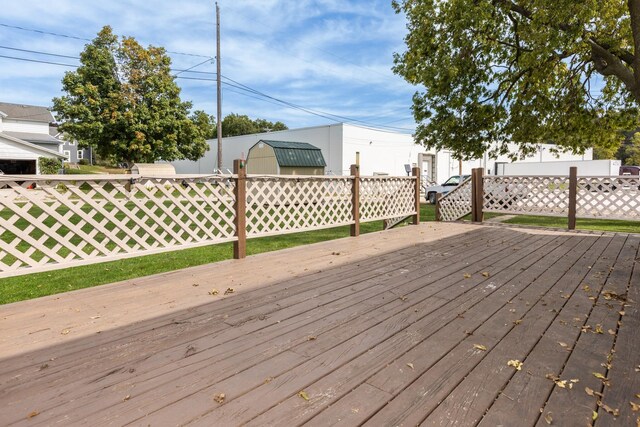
630	151
235	124
205	122
124	102
49	166
522	71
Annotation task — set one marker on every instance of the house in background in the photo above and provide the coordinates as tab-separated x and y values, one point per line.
72	152
25	138
285	158
381	152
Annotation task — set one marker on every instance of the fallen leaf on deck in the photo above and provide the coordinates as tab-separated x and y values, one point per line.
268	380
594	415
219	398
516	364
598	329
585	328
588	391
127	397
485	273
195	285
634	406
304	395
611	332
228	291
586	288
467	276
480	347
33	414
563	344
213	292
45	366
311	338
517	322
614	412
65	331
599	375
512	310
548	418
410	365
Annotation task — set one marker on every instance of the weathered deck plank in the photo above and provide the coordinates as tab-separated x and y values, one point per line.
377	330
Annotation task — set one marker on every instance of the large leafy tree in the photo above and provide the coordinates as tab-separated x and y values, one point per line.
236	124
124	102
523	71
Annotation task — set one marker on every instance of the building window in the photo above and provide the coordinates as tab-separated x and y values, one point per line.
80	154
67	155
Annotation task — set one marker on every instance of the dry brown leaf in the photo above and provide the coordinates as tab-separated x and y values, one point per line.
563	344
303	394
410	365
589	391
598	329
213	292
516	364
548	418
634	406
312	338
611	332
586	288
517	322
33	414
268	380
585	328
466	276
65	332
480	347
219	398
228	291
485	273
609	409
127	397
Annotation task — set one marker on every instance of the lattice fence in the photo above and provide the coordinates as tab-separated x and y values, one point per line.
386	197
531	195
277	205
456	203
608	197
49	221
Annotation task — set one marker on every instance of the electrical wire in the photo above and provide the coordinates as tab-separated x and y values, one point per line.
34	30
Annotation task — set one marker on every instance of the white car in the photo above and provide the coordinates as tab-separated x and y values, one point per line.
448	185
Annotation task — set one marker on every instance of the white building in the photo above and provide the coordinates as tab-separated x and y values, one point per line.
381	152
24	138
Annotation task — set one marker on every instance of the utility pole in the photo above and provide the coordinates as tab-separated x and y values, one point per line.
218	85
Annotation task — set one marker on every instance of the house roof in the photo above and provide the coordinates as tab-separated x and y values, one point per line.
34	137
30	145
26	112
296	154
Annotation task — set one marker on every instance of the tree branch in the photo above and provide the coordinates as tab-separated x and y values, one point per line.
608	64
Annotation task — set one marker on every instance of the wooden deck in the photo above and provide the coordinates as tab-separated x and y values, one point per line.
414	326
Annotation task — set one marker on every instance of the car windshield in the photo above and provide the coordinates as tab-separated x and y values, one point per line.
454	180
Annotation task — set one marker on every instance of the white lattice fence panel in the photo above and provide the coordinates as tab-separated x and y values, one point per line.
54	221
608	197
386	197
456	203
278	205
532	195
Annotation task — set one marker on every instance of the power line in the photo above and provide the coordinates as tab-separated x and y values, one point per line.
37	52
34	30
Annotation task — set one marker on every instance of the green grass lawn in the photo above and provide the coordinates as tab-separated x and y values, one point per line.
40	284
93	169
581	224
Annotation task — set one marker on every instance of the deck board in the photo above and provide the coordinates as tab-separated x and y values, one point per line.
378	330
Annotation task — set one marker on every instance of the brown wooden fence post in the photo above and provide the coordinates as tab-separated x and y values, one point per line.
355	200
438	197
240	207
477	195
416	173
573	191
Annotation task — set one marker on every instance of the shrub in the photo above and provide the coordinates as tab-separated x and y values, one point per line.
83	162
49	166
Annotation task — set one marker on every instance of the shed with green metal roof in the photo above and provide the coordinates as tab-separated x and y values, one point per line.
285	158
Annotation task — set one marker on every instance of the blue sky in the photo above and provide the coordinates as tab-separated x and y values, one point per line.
328	56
